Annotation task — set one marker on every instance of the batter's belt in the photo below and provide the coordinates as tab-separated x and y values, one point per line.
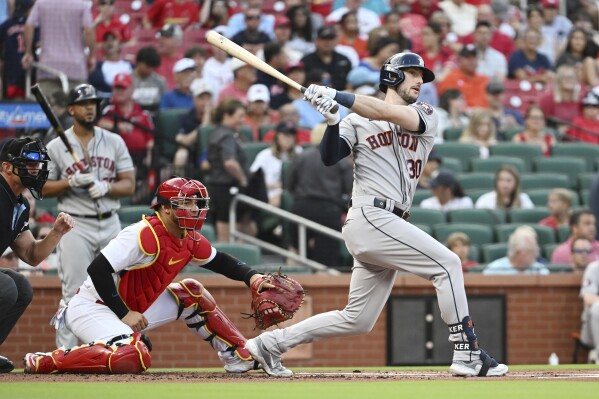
101	216
383	203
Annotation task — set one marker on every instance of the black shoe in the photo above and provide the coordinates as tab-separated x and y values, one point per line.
6	366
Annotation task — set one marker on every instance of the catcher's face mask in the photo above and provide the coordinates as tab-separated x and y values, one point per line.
191	205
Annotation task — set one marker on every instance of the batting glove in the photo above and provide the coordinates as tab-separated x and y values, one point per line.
99	189
315	91
324	105
80	179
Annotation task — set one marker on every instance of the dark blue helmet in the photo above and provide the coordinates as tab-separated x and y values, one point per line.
83	92
392	74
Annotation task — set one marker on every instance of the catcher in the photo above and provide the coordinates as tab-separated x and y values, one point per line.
130	290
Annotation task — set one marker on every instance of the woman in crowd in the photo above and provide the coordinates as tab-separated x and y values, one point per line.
507	193
480	132
535	130
561	101
349	34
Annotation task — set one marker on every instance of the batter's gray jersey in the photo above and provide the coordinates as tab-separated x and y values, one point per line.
108	155
388	158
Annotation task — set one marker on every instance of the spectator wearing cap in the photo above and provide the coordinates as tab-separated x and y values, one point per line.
103	75
67	37
126	117
276	58
461	14
106	20
556	27
535	130
288	114
499	40
491	62
258	113
148	85
561	101
170	41
430	170
11	50
282	149
218	71
200	115
244	76
295	71
586	126
466	79
251	38
452	113
448	194
527	63
238	21
283	37
503	117
367	19
181	12
180	97
349	34
326	58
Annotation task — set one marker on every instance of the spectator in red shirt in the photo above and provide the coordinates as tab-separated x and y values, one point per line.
349	34
561	100
244	76
559	204
125	117
499	40
438	58
182	12
105	20
582	224
170	41
258	113
586	127
426	8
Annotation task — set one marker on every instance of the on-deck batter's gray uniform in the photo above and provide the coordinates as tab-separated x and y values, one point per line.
109	156
590	315
388	161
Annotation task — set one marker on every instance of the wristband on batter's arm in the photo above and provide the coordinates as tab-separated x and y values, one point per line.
346	99
230	267
100	271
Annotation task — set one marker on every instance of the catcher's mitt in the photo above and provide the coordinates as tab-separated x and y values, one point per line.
275	305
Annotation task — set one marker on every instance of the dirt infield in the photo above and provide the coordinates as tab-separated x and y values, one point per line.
300	376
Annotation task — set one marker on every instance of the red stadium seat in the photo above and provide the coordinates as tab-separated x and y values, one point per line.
520	94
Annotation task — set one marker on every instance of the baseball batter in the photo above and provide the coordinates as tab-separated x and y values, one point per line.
390	140
130	290
88	191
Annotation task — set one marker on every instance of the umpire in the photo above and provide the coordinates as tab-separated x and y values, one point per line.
23	164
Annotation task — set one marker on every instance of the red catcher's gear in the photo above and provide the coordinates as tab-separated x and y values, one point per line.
191	293
188	198
140	287
94	358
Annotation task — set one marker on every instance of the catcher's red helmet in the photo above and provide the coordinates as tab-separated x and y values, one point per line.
188	198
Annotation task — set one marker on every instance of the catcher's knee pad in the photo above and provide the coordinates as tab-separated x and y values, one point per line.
191	293
132	356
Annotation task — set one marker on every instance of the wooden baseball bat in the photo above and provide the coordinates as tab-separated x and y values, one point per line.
42	100
234	50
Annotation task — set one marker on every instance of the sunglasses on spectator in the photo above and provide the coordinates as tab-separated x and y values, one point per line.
583	251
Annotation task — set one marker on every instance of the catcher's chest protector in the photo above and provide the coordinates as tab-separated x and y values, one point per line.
140	287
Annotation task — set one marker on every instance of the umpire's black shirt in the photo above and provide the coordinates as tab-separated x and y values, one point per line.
14	215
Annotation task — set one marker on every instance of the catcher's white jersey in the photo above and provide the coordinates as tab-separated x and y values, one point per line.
108	155
388	158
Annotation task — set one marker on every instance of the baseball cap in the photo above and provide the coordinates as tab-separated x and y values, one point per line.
468	50
184	64
294	65
170	30
443	179
285	128
282	20
200	86
327	32
495	87
435	156
550	3
590	99
236	64
258	92
122	80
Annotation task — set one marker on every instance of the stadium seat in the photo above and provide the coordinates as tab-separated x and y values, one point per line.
452	133
246	133
563	233
474	253
420	195
209	232
425	227
548	250
540	195
462	151
132	213
252	149
532	181
452	165
545	234
203	136
524	151
528	215
585	180
585	197
489	217
49	205
493	163
476	269
166	130
559	268
475	193
426	216
479	234
475	180
263	129
495	251
247	253
570	166
509	133
585	151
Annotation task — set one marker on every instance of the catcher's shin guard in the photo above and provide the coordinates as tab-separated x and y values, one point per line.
132	356
207	319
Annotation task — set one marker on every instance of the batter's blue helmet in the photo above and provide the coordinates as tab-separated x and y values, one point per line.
392	74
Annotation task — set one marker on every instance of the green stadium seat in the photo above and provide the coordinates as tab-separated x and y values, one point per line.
248	253
204	135
493	163
532	181
570	166
167	127
585	151
425	216
524	151
420	195
132	213
476	269
425	227
563	233
585	180
545	234
49	205
548	250
462	151
539	196
209	232
263	129
252	149
475	253
559	268
510	132
475	193
528	215
246	133
585	197
476	180
489	217
452	165
479	234
452	133
495	251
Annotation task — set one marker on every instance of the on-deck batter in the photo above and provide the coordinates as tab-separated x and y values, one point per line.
390	140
